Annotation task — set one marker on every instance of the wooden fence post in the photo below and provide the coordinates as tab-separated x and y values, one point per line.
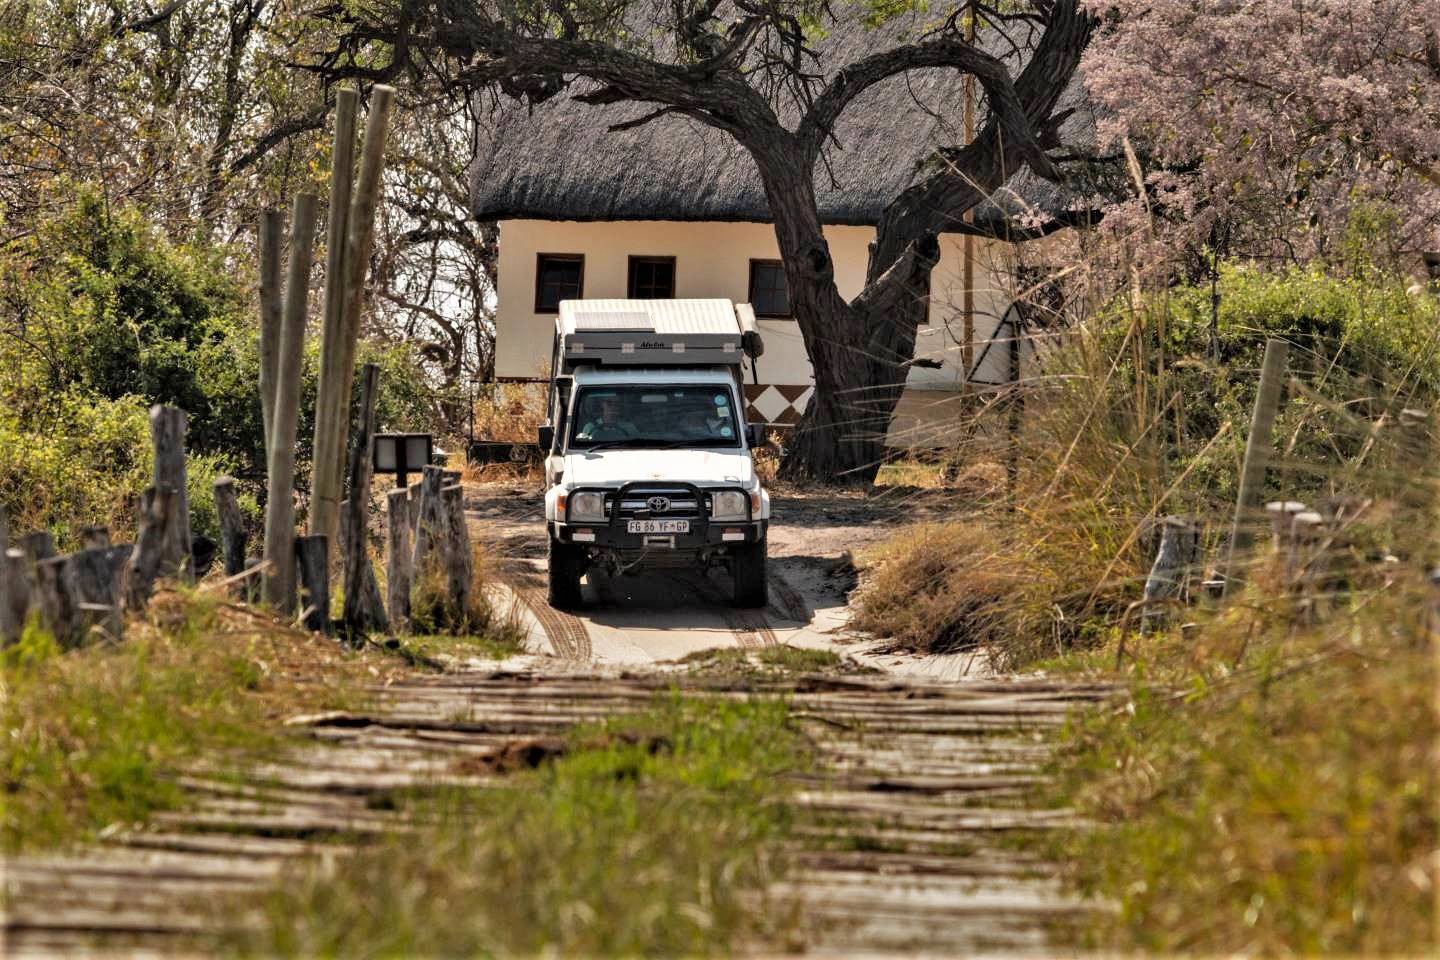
16	607
417	490
456	548
92	580
233	540
398	573
1257	457
272	231
167	431
330	405
156	512
1170	573
428	527
312	557
279	548
359	235
364	610
56	610
94	537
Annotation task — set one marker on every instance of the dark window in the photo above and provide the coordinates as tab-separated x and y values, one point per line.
651	278
558	276
769	295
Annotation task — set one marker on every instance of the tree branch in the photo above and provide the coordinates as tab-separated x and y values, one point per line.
1005	104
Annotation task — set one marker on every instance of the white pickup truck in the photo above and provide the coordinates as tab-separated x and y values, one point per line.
647	453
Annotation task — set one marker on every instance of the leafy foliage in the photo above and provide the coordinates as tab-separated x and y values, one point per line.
105	318
1267	124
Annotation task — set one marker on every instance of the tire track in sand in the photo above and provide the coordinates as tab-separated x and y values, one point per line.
566	631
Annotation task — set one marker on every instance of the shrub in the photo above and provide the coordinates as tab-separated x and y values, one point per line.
1126	427
107	317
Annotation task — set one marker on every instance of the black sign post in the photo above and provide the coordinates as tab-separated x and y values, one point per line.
402	453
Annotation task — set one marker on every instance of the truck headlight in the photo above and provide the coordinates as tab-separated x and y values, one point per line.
728	505
586	507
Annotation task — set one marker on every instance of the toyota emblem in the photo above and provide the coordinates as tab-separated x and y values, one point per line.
659	504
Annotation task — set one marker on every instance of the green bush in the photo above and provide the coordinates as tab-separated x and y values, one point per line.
106	317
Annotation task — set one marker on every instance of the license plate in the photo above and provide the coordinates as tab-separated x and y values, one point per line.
657	526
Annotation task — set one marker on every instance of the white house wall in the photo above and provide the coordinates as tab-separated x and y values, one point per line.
713	260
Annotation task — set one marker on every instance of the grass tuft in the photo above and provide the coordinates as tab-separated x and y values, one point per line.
96	734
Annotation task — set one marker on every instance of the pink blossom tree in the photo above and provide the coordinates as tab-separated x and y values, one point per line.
1260	127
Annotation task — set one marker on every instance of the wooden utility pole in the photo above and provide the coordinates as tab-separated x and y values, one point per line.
967	241
330	405
272	230
334	404
280	504
1257	457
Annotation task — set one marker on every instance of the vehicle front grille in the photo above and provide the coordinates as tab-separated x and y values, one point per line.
683	505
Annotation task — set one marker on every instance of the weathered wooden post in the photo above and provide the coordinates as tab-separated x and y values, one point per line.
1282	528
1257	457
1170	573
279	549
457	556
232	526
94	537
38	546
398	573
167	432
15	609
92	581
1310	534
272	230
1416	504
146	560
428	528
330	406
312	557
364	611
417	491
333	404
56	609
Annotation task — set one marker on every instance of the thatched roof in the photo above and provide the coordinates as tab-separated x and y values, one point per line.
558	160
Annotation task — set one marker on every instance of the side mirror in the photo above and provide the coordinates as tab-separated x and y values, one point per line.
545	436
755	434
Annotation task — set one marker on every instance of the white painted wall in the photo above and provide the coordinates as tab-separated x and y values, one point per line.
713	260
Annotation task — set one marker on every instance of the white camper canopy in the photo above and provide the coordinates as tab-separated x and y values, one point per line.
654	333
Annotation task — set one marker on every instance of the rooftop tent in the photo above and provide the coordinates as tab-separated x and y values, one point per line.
653	333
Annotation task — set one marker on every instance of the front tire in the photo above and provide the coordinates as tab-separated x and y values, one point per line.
567	565
747	562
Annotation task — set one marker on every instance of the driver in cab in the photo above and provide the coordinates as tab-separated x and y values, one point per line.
606	422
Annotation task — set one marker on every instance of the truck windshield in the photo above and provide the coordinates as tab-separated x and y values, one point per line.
650	415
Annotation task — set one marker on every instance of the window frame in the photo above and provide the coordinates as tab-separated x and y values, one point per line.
750	289
637	259
540	259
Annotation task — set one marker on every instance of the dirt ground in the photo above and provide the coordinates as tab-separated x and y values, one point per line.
663	616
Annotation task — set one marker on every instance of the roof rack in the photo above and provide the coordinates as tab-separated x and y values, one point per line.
654	333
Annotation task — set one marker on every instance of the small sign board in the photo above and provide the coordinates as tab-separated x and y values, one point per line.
402	454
